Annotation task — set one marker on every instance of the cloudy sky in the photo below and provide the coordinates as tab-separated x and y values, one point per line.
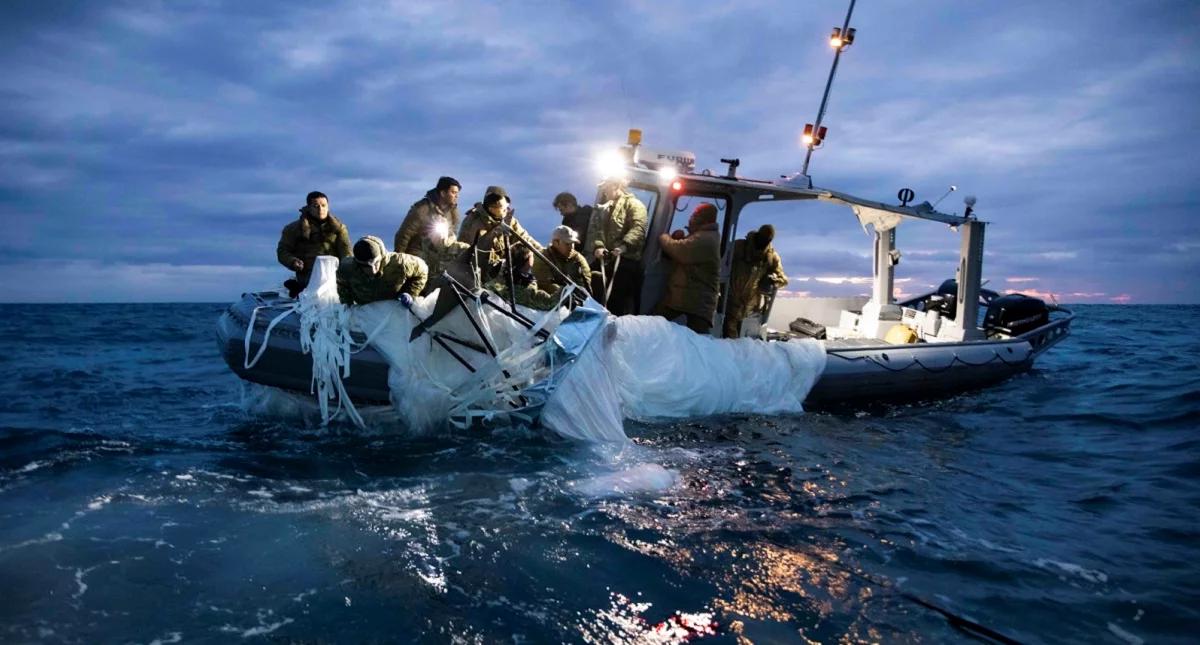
152	151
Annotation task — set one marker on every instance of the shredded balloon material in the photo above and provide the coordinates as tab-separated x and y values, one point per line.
581	373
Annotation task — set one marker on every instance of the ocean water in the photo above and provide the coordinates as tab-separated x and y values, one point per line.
139	502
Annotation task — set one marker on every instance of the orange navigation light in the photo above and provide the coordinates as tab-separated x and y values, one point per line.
635	137
808	134
837	39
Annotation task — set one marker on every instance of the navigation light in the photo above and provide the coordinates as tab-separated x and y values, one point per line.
835	39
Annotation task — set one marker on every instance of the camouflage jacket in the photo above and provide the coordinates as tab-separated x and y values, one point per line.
304	240
750	266
620	223
575	267
692	286
420	221
491	251
399	273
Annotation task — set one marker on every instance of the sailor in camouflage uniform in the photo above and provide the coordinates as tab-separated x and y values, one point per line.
563	256
757	270
482	229
618	229
317	232
372	274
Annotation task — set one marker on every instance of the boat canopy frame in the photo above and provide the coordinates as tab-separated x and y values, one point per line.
739	192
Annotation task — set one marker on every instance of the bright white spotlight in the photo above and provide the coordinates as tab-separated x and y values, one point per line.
668	173
611	165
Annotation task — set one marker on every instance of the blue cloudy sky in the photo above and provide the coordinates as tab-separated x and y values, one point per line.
151	151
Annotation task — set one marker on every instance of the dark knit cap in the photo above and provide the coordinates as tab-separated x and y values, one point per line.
366	250
764	236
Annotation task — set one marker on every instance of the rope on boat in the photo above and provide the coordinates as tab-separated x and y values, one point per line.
248	362
933	370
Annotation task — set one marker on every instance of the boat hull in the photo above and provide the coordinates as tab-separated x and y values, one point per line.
857	373
283	364
908	373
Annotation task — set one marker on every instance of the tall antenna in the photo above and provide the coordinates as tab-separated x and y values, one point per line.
814	133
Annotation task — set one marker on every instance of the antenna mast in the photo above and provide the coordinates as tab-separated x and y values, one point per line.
814	134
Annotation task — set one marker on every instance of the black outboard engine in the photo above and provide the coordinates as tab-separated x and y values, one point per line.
944	300
1014	314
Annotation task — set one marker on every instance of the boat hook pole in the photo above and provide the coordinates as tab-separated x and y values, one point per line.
828	86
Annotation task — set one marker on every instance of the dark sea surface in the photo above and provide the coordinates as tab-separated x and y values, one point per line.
140	503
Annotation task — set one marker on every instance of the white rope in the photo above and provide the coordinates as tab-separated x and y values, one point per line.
246	360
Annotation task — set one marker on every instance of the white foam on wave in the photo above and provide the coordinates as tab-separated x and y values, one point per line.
1091	575
639	479
171	637
1124	635
261	400
32	466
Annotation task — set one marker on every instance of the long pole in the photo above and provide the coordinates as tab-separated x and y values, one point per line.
828	85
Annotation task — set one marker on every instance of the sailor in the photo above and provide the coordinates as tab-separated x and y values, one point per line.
371	274
476	215
757	271
317	232
573	215
563	256
617	230
436	214
528	294
481	229
692	287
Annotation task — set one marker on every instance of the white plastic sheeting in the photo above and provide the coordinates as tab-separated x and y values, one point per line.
634	367
646	367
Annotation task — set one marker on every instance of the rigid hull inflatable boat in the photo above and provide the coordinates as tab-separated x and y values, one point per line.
867	348
957	338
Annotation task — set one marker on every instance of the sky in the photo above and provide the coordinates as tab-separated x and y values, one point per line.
153	151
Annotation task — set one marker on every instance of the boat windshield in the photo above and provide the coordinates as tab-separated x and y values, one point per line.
647	196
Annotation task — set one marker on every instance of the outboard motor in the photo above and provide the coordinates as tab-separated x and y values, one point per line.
1014	314
944	300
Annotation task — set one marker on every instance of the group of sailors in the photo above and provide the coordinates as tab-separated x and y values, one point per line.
488	247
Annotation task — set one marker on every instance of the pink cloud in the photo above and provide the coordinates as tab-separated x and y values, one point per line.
1044	295
1122	299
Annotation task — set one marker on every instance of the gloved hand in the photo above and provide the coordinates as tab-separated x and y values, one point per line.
406	300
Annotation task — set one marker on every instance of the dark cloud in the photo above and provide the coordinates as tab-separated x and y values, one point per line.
178	138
